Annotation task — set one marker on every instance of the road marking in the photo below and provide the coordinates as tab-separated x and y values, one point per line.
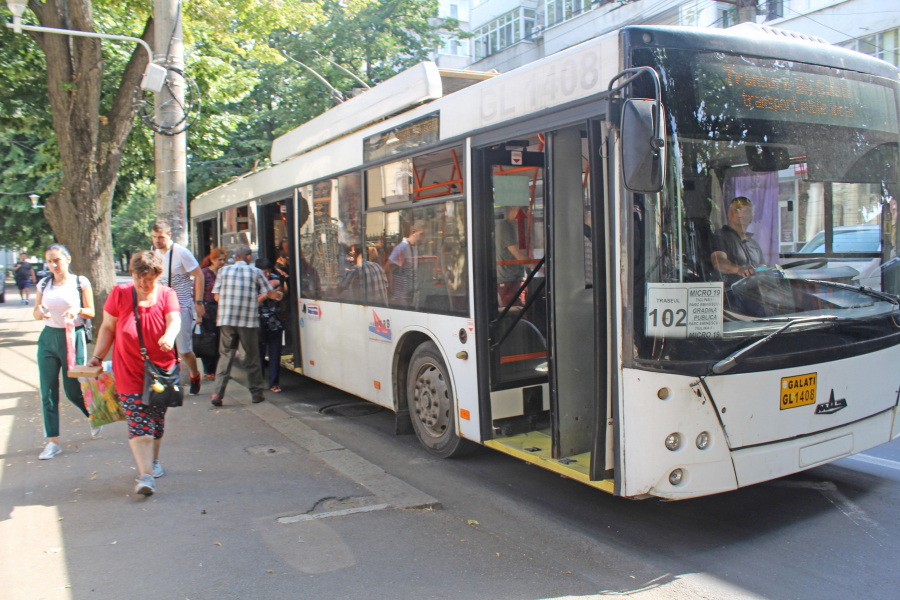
874	460
334	513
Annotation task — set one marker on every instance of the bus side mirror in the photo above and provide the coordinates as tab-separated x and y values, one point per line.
643	149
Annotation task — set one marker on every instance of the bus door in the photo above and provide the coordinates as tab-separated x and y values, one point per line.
206	236
512	189
275	245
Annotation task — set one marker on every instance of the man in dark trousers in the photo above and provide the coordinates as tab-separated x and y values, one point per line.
24	274
236	291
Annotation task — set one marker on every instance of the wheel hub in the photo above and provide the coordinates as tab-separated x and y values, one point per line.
432	400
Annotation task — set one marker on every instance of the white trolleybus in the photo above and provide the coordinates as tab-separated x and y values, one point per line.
662	262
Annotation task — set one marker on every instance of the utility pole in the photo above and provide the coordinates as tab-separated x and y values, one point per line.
170	150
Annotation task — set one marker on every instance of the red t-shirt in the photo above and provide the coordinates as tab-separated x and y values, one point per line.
128	364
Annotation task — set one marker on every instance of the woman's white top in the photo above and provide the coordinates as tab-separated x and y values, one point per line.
58	299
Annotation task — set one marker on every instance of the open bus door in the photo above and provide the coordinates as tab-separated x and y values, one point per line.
276	244
545	299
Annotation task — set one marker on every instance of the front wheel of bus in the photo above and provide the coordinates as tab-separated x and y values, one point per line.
431	406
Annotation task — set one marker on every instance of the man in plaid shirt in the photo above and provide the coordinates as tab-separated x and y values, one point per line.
237	289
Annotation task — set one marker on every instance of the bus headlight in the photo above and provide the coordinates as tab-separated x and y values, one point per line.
702	440
673	441
676	476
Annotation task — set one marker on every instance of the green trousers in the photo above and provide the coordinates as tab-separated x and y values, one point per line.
51	358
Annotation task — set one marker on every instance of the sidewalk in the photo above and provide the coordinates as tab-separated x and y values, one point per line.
239	513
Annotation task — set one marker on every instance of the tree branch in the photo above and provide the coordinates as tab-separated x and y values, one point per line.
120	118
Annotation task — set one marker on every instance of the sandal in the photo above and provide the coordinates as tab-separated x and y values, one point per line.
275	389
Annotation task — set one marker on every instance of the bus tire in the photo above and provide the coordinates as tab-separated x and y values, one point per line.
429	395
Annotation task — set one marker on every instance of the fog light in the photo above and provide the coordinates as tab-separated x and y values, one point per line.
703	440
675	476
673	441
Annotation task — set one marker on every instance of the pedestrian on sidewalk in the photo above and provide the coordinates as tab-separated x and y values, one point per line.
238	320
179	266
61	299
160	324
216	260
23	273
271	326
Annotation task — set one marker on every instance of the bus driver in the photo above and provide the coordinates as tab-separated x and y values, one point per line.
735	250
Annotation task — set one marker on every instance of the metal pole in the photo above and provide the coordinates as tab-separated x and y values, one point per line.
170	150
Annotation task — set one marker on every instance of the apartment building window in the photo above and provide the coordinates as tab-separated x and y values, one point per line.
454	47
884	45
455	9
558	11
503	32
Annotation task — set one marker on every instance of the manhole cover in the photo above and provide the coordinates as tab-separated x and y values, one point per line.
350	409
264	450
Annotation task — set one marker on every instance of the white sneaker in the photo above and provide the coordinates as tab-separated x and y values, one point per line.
157	469
145	486
96	431
50	451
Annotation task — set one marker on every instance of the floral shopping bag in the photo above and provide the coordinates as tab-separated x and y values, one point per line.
101	399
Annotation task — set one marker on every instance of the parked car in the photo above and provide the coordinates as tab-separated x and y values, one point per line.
849	239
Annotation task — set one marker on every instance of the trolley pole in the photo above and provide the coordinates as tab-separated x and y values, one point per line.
170	150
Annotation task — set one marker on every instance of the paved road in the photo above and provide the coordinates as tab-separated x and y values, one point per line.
505	529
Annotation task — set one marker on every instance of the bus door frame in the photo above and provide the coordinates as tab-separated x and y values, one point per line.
603	206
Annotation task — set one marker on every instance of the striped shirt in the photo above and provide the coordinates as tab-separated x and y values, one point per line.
237	287
183	262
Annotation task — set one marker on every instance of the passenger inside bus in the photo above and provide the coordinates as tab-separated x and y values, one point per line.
401	267
511	251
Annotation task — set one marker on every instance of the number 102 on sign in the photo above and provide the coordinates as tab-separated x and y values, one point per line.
684	310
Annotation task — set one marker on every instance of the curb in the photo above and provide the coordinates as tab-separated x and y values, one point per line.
367	474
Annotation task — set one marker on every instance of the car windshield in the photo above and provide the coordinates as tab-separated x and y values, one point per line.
779	174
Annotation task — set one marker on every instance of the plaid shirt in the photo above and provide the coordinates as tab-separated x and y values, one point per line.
237	287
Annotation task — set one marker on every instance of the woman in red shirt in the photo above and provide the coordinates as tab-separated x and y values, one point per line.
160	324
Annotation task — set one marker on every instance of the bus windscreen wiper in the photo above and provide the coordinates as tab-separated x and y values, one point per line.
727	363
860	289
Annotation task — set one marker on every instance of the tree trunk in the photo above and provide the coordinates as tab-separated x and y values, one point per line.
90	148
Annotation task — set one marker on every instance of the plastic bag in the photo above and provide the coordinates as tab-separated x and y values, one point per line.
101	399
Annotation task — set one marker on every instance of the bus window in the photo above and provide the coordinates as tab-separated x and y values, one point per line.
351	262
239	227
424	250
389	184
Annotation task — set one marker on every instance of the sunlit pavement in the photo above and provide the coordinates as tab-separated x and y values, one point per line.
71	528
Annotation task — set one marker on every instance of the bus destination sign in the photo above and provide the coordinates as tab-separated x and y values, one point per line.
747	91
408	136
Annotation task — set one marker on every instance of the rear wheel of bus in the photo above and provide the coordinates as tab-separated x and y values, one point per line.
432	409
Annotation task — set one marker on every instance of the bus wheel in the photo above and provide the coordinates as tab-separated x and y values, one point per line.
431	405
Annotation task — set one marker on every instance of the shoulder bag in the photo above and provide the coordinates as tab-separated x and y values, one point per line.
162	387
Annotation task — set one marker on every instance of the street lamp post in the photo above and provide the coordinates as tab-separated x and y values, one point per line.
154	75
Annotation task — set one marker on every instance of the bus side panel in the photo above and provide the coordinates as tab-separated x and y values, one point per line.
333	349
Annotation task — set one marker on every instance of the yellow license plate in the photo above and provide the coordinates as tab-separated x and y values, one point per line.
799	390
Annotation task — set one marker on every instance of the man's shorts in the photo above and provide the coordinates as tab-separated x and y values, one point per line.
185	338
23	284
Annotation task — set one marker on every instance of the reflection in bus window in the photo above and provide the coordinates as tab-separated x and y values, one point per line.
426	177
423	252
239	227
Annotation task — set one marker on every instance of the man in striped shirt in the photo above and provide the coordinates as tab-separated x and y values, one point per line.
190	293
238	290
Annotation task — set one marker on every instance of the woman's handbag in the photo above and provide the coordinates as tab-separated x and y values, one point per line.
161	387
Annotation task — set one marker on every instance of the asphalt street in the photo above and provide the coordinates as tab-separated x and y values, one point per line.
255	504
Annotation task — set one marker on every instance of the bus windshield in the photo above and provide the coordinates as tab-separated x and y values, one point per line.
782	181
